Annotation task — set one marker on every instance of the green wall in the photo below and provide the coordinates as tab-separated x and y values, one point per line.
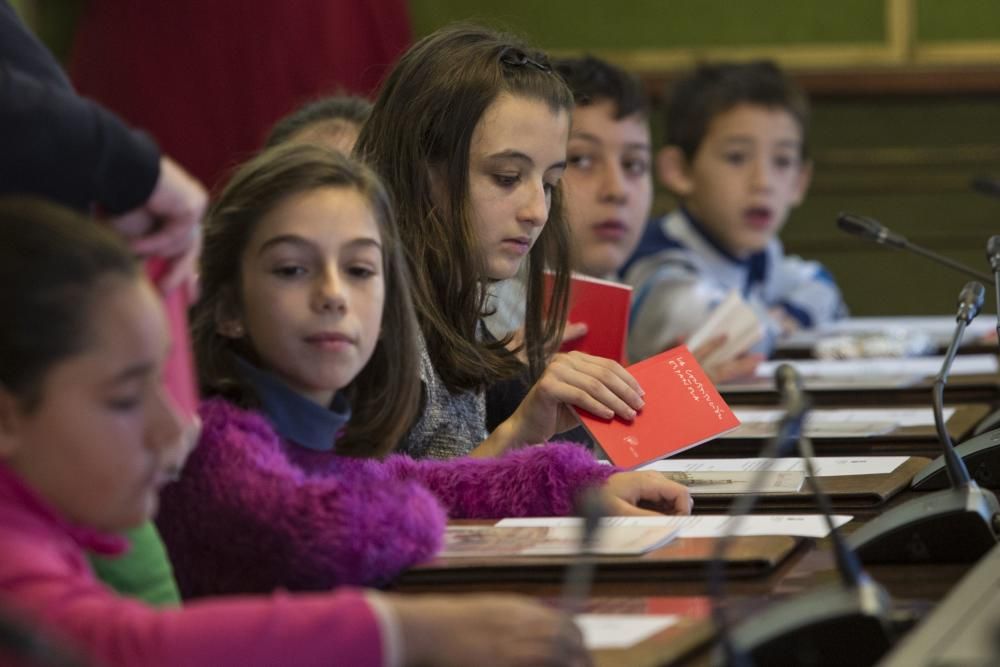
636	24
905	160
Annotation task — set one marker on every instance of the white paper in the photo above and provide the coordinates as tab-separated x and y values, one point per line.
829	383
735	318
825	466
826	423
558	540
707	525
606	631
733	482
939	327
967	364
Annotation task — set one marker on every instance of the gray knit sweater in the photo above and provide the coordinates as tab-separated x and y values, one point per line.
450	424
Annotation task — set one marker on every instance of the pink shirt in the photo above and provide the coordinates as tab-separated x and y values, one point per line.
45	577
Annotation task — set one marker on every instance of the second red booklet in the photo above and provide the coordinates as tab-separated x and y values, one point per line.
603	306
683	409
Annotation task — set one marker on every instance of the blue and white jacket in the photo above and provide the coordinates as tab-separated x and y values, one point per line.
680	273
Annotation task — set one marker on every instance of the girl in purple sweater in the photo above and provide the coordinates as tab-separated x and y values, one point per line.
88	436
305	340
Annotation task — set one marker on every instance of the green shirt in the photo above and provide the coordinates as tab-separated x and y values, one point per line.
144	572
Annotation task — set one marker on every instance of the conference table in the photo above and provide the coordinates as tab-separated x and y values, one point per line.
760	571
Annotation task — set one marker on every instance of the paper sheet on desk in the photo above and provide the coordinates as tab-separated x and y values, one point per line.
828	383
825	466
940	327
968	364
734	482
707	525
836	423
604	631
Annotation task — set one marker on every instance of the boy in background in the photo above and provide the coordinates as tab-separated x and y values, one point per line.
735	157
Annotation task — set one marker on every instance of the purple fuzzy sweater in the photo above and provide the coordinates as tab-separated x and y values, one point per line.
252	512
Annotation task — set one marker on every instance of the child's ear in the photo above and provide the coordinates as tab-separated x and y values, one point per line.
673	172
228	323
10	419
802	182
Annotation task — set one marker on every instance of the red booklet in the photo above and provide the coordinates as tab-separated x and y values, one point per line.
683	409
603	306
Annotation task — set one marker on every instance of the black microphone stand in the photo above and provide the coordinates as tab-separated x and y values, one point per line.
845	623
730	654
980	453
873	230
958	524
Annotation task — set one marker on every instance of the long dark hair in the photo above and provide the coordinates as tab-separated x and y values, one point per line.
384	396
424	119
54	263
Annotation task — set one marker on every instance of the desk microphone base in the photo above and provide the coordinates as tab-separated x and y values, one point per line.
950	526
829	627
982	457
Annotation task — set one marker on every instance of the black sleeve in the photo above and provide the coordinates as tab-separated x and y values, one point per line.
59	145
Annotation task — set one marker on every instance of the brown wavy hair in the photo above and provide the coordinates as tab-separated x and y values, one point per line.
385	395
423	120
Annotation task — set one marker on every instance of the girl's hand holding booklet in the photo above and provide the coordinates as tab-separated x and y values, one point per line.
683	409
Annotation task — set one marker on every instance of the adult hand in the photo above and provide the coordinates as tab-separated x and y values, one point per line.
168	225
624	491
487	631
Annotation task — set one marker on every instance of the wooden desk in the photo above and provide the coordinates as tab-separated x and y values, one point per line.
960	389
675	569
906	441
807	566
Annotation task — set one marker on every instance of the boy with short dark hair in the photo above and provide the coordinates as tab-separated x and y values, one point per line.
735	156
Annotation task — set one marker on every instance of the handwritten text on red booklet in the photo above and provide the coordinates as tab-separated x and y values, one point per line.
683	409
603	306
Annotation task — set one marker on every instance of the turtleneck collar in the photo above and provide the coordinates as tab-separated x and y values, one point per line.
294	416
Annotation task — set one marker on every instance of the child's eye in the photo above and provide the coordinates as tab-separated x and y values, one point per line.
636	167
289	271
361	271
784	161
506	180
124	403
580	161
735	158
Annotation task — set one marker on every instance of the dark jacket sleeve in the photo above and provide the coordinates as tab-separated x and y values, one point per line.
59	145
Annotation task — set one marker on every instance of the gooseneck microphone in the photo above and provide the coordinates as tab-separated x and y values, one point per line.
958	524
844	623
981	454
580	573
993	257
873	230
731	653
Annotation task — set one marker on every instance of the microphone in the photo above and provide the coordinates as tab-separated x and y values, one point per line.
981	453
986	185
730	653
993	257
580	573
956	525
844	623
873	230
